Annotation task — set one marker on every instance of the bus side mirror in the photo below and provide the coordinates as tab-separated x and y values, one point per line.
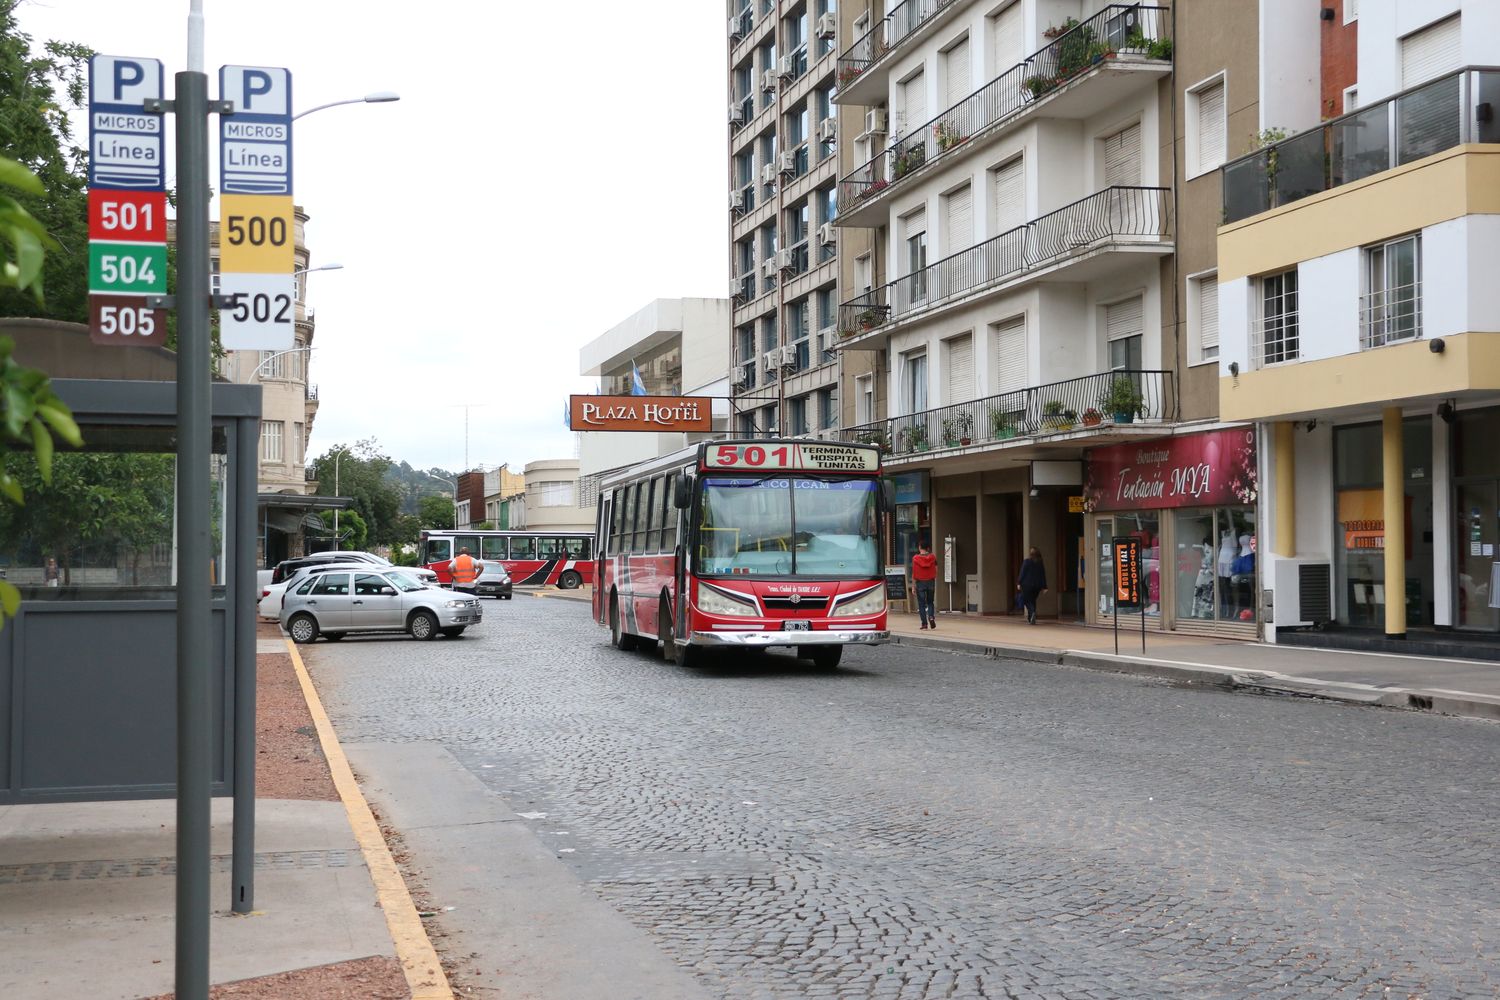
682	492
888	494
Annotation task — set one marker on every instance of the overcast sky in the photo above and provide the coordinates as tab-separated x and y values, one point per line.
550	169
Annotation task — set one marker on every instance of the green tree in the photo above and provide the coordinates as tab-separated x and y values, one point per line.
361	476
37	92
435	512
356	532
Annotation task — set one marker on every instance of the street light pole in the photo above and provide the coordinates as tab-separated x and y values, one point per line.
378	97
337	457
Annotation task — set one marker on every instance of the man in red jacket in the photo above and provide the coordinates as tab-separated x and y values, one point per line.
924	579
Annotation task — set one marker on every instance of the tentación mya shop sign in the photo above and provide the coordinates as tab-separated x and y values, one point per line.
640	413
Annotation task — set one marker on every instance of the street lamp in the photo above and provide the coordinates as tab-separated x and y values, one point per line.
337	457
294	350
378	97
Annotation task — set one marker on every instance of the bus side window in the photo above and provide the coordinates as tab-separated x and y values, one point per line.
658	512
578	548
494	547
439	550
549	548
620	543
643	516
523	546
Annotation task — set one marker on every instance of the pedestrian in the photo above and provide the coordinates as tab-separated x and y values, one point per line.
52	573
924	579
1033	583
464	570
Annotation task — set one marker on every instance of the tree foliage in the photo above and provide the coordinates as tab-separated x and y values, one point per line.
358	471
435	512
356	533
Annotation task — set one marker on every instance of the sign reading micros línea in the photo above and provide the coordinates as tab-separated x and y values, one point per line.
257	239
127	202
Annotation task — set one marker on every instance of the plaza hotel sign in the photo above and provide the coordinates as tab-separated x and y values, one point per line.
662	414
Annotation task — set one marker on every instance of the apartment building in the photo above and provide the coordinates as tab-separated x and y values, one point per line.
1360	330
1028	204
783	200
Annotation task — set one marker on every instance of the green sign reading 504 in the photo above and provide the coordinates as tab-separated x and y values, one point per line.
128	267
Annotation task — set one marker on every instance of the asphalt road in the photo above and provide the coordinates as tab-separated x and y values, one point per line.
918	824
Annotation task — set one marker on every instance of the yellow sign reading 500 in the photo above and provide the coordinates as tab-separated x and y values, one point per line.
256	234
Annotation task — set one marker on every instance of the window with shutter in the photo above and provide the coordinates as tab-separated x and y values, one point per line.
959	378
958	222
1005	39
1122	328
913	103
1206	295
1008	191
1431	52
957	73
1008	356
1122	158
1208	150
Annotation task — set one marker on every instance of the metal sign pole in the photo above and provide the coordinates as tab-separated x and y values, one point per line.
194	446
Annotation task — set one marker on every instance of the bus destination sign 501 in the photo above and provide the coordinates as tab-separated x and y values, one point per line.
807	456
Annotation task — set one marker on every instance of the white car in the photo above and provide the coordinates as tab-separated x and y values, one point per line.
270	593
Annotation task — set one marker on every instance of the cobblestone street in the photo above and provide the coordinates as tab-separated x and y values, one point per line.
922	825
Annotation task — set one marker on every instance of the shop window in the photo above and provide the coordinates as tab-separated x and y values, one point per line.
1217	551
1145	527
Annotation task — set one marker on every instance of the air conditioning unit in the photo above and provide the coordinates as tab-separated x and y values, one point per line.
787	162
1302	593
734	27
828	25
825	233
875	121
771	361
768	174
740	377
736	201
736	288
768	267
786	67
789	356
768	80
736	113
828	130
783	260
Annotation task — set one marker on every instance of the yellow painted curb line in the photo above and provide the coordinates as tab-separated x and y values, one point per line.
419	961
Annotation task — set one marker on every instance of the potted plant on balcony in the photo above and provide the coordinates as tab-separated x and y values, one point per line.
950	432
1057	417
1002	428
868	318
948	136
1123	399
909	158
915	438
964	422
1092	417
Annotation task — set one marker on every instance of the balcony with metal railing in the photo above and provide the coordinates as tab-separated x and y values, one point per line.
1135	219
1435	116
1114	47
861	79
1104	405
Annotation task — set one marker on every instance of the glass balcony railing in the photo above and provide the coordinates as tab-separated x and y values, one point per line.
1086	224
1054	408
1446	112
1131	29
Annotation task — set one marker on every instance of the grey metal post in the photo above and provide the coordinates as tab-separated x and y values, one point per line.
242	876
194	545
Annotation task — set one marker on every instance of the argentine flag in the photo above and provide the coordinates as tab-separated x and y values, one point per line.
637	384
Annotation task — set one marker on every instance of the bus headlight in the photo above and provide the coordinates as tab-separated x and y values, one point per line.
715	602
871	602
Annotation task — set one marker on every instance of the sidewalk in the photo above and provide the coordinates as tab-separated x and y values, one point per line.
87	893
1452	687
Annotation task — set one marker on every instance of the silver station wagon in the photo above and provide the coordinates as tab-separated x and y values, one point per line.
346	599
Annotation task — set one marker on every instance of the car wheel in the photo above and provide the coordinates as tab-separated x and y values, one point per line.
423	625
455	631
620	638
334	636
504	597
304	629
569	580
826	657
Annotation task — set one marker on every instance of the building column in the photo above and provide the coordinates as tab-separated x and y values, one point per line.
1286	489
994	594
1393	491
1442	526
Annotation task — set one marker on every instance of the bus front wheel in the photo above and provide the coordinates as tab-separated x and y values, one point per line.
824	657
618	637
569	580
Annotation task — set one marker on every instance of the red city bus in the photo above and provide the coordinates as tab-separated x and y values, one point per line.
560	558
744	544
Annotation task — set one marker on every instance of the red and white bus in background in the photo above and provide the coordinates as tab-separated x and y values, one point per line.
560	558
744	544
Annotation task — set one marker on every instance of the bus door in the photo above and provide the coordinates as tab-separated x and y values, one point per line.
601	539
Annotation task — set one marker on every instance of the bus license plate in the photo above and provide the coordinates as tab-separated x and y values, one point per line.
796	626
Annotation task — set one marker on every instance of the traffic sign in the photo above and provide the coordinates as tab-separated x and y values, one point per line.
126	320
256	234
128	268
128	216
263	313
255	143
127	146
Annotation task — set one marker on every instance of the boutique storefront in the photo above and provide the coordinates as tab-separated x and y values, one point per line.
1190	502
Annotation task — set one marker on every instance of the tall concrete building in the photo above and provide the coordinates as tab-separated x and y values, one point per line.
1360	325
784	375
1028	200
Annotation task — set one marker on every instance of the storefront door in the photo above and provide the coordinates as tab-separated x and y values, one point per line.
1478	536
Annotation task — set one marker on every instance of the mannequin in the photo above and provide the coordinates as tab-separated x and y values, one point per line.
1203	587
1244	577
1228	553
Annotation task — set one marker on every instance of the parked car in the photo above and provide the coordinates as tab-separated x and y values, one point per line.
340	600
270	594
287	567
492	581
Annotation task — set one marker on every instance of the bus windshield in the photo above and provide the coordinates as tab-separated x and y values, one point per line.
788	526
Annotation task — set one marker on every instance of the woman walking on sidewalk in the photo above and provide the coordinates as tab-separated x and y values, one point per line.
1032	583
924	580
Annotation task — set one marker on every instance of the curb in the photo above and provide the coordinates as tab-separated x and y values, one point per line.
419	960
1463	704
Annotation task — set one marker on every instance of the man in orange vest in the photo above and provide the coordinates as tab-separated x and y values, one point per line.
465	570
